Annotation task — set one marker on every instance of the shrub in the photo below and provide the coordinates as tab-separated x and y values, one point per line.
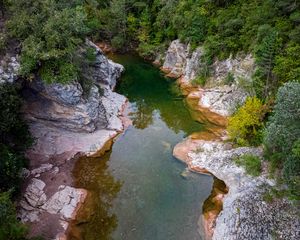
10	227
199	81
229	78
244	127
251	163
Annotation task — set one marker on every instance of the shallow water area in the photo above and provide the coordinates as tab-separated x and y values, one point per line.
138	190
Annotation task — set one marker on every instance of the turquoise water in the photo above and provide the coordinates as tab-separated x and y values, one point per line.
139	190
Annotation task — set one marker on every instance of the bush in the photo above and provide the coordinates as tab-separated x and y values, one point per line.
251	163
229	79
244	127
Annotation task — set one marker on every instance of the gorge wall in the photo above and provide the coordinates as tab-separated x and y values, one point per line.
64	121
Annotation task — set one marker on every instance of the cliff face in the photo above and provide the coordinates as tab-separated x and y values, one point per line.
223	91
64	121
67	107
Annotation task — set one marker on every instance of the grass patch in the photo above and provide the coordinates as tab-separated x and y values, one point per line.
200	80
251	163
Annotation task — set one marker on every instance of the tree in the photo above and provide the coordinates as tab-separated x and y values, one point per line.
265	57
287	64
282	134
50	33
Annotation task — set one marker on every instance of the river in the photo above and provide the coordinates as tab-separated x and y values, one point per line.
138	190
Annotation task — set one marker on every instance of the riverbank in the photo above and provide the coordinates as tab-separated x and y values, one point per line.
66	122
245	214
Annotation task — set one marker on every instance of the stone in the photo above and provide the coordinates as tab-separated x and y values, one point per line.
25	173
34	193
218	96
43	168
193	65
223	100
241	67
64	202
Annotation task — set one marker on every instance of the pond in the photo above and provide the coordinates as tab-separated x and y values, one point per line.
138	190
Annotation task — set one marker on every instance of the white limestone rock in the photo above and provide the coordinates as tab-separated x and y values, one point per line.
34	193
64	202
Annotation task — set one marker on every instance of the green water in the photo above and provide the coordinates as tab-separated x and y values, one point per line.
138	191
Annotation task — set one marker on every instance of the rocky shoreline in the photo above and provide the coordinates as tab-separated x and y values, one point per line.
245	214
65	123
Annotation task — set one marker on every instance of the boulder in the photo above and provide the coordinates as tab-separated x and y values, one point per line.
64	202
34	193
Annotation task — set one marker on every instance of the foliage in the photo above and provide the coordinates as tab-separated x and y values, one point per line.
245	125
10	227
3	40
10	168
50	33
287	64
283	133
251	163
265	57
229	78
13	130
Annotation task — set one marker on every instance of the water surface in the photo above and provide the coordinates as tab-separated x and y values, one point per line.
139	191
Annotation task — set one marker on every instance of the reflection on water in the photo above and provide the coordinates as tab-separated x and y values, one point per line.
138	190
149	91
95	220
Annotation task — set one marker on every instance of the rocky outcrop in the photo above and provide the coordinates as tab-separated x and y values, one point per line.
66	121
67	106
224	90
105	72
245	214
175	59
62	203
9	67
239	67
222	100
193	65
